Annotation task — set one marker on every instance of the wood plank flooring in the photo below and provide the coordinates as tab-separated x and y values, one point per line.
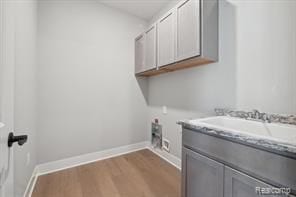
137	174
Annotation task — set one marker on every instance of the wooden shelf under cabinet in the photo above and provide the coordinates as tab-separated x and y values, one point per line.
192	62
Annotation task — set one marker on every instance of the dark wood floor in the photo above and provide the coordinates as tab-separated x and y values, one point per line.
138	174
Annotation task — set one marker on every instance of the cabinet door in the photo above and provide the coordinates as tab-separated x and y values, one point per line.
139	54
150	48
188	29
201	176
237	184
166	39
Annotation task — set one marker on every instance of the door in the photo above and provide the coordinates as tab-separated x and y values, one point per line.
6	94
150	48
166	39
237	184
201	176
139	53
188	29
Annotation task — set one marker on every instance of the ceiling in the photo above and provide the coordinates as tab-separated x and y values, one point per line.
144	9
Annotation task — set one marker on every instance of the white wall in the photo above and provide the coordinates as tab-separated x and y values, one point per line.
256	69
25	92
195	92
266	40
88	97
86	82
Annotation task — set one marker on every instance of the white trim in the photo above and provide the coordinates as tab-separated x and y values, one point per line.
175	161
88	158
71	162
31	183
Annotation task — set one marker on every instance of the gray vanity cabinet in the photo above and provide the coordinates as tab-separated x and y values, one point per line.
150	48
237	184
188	29
166	39
139	53
203	177
217	167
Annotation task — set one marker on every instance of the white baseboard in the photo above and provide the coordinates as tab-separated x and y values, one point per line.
71	162
88	158
175	161
31	183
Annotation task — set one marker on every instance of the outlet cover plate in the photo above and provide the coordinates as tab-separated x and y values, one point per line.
166	145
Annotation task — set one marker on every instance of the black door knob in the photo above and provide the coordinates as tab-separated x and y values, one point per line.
20	139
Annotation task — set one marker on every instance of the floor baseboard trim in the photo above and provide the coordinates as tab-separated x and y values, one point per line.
31	183
71	162
175	161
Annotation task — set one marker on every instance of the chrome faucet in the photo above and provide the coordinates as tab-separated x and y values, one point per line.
257	115
265	117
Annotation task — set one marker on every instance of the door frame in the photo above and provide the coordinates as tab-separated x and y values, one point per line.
7	76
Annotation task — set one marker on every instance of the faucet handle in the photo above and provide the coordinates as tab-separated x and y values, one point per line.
265	117
256	114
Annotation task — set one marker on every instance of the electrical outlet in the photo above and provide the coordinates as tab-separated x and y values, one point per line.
166	145
164	110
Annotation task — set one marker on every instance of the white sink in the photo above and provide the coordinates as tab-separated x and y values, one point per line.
272	131
1	125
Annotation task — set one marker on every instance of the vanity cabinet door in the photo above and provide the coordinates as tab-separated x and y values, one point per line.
237	184
201	176
150	48
139	53
166	39
188	29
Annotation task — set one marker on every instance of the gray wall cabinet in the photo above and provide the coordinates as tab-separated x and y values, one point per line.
150	48
188	29
139	53
166	39
186	36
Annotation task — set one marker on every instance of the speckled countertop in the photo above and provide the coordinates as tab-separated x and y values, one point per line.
278	147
